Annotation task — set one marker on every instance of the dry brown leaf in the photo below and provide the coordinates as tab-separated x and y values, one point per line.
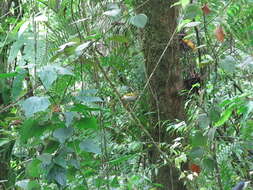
219	33
206	10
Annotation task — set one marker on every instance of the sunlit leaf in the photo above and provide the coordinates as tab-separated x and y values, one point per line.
35	104
90	145
139	20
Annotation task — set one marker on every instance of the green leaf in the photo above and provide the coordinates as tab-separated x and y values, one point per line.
139	20
83	108
87	123
35	104
47	76
58	174
225	115
121	159
203	121
33	185
17	87
45	158
196	152
33	168
62	134
214	114
228	64
4	141
191	11
8	75
90	145
209	164
31	128
198	139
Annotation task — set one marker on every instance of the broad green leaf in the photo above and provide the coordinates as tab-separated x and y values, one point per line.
198	139
31	128
139	20
35	104
121	159
33	169
8	75
62	134
209	164
228	64
69	116
33	185
57	174
214	114
196	152
203	121
87	123
47	76
45	158
90	145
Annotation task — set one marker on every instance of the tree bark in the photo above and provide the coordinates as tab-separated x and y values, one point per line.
166	81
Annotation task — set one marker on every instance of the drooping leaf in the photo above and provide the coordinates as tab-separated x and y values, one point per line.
219	33
35	104
139	20
206	10
90	145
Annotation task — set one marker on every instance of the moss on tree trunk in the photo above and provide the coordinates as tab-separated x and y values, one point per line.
166	81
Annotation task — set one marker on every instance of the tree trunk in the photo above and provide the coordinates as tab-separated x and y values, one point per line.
166	81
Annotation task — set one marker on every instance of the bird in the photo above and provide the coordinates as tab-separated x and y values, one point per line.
241	185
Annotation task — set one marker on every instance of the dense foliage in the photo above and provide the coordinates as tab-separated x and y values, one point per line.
73	98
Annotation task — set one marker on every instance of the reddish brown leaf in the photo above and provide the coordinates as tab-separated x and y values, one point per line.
219	33
206	10
194	168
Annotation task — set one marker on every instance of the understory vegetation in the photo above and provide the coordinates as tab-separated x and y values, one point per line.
75	96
